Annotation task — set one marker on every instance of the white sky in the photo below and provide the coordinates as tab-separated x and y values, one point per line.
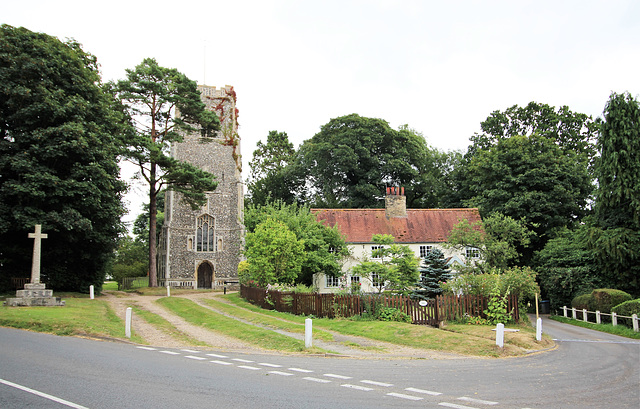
439	66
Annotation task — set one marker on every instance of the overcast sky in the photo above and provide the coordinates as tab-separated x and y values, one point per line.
439	66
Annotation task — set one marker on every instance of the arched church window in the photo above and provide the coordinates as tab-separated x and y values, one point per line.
205	233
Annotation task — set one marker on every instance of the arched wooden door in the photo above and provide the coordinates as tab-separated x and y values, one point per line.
205	275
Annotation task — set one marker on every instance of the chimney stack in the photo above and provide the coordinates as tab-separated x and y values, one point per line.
395	202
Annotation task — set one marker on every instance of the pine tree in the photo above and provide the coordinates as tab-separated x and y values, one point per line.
434	271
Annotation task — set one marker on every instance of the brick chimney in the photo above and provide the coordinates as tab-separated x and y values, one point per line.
395	202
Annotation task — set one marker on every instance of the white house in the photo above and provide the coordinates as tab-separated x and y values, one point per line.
421	229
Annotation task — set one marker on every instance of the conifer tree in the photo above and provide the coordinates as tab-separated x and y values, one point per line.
434	271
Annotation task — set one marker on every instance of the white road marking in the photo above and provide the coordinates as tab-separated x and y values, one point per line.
197	358
453	405
403	396
241	360
221	362
147	348
169	352
479	401
300	370
416	390
43	395
376	383
270	365
217	356
596	342
309	378
358	387
281	373
253	368
191	351
331	375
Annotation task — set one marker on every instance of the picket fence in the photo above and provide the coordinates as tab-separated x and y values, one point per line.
431	312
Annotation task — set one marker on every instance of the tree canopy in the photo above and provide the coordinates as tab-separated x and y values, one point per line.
352	159
154	96
59	143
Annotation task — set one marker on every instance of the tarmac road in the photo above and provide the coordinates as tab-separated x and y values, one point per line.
588	369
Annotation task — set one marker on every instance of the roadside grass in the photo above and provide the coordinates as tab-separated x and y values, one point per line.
620	330
165	326
110	286
456	338
80	316
263	338
256	317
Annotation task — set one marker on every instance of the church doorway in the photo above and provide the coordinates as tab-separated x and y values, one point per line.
205	275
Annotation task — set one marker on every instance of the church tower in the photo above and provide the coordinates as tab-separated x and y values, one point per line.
202	248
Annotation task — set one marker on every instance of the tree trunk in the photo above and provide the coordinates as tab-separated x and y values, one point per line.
153	265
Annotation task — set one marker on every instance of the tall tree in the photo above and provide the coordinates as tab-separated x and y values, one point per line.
352	159
529	178
616	240
155	95
59	143
324	246
271	177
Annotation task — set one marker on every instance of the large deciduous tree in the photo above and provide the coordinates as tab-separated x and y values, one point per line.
59	143
272	177
616	240
324	246
352	159
530	178
155	95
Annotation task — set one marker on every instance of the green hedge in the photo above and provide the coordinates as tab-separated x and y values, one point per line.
604	299
627	308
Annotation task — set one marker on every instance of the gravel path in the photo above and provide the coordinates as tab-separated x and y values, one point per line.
343	345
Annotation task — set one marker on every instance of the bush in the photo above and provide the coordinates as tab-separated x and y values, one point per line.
581	302
604	299
392	314
627	308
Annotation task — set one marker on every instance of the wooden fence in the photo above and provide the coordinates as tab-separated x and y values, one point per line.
332	305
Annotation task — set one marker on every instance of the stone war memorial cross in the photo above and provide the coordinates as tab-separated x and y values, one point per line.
35	293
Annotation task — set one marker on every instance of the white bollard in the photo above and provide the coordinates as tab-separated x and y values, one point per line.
500	335
539	329
308	333
127	324
573	313
614	319
564	309
91	292
598	319
585	317
634	318
168	290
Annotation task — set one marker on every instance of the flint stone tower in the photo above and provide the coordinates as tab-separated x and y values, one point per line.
202	248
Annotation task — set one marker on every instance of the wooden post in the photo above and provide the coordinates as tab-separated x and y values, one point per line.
564	310
573	313
585	317
614	319
634	318
598	320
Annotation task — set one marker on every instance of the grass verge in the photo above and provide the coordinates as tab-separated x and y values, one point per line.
165	326
476	340
80	316
257	318
620	330
248	333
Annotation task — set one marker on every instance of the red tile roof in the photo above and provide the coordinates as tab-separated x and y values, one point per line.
420	225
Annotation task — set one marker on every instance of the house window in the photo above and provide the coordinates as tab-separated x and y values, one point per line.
205	226
425	250
373	249
375	280
332	281
472	253
355	280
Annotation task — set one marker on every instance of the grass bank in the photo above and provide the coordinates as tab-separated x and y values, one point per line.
476	340
80	316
